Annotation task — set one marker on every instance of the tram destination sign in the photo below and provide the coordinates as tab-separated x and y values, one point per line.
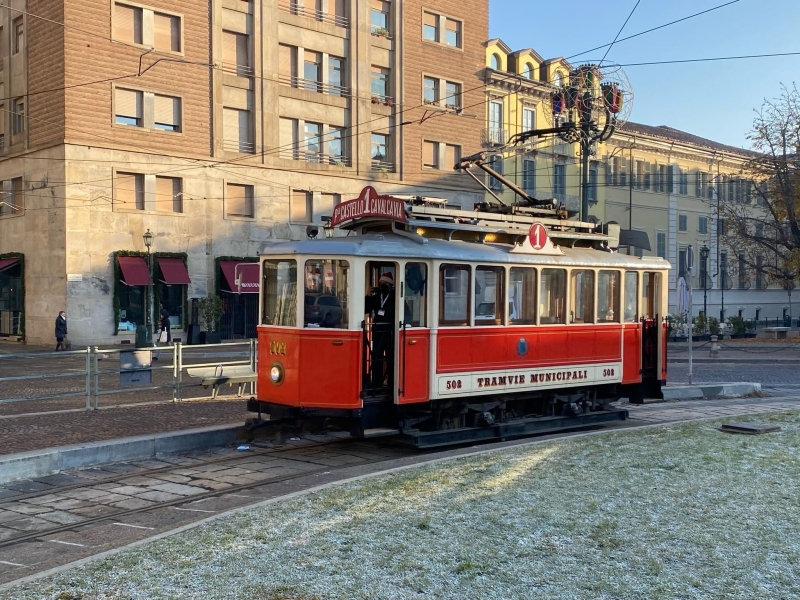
369	205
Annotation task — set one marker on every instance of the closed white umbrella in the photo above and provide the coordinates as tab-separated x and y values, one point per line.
683	296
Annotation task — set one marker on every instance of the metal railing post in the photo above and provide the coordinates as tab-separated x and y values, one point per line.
176	369
88	378
96	378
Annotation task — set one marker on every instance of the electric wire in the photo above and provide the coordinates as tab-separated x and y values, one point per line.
611	45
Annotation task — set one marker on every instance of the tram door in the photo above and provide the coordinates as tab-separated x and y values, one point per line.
414	343
651	292
380	331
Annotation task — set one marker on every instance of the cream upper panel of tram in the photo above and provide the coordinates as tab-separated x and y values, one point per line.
389	246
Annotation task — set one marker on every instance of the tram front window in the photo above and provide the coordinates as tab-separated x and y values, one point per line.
326	303
280	293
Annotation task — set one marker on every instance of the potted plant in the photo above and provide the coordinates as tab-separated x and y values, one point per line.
380	31
210	311
738	326
713	326
389	102
700	333
750	328
676	328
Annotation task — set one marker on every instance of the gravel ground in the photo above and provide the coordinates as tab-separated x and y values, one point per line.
682	511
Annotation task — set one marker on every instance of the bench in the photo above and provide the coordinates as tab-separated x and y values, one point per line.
777	333
217	376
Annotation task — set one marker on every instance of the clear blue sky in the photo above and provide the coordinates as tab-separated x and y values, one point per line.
714	100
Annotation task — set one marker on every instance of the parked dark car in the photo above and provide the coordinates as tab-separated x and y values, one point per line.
324	310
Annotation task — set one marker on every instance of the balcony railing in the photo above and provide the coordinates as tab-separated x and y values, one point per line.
240	70
315	157
295	8
494	137
239	146
314	86
383	166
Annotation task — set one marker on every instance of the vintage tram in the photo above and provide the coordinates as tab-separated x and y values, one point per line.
448	325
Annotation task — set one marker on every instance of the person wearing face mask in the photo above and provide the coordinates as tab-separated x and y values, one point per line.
380	303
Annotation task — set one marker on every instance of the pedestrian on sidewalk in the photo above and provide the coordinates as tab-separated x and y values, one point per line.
164	333
61	331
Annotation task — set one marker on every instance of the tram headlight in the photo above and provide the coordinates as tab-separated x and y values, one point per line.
276	373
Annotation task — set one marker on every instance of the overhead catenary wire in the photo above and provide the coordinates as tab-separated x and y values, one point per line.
611	45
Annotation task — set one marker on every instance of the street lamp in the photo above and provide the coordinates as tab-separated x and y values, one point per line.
704	274
148	241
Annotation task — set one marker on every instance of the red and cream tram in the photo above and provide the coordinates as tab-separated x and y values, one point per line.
451	325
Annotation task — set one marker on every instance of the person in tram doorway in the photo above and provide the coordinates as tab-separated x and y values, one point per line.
380	304
61	331
164	333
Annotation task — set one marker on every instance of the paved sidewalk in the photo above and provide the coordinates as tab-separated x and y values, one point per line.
737	351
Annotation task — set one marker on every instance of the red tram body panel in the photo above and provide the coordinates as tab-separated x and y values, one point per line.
462	333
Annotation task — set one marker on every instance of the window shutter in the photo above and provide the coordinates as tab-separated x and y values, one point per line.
239	200
166	32
452	154
128	103
230	122
429	154
300	206
164	194
288	138
229	48
287	66
128	23
339	8
167	111
242	51
130	190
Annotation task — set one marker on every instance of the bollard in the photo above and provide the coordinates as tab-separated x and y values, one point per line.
714	347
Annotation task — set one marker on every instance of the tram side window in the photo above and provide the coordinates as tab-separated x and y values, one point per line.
280	293
631	296
489	290
583	296
522	296
454	295
415	310
650	295
553	297
326	302
608	297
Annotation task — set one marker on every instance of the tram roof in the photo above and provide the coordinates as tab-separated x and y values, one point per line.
389	245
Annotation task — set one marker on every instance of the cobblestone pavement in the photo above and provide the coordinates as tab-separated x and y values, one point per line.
58	519
776	377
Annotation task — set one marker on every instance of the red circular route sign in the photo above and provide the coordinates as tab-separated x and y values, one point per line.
538	236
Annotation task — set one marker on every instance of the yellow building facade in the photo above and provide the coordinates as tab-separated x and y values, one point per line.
663	181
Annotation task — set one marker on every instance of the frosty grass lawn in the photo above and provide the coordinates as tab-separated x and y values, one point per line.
676	512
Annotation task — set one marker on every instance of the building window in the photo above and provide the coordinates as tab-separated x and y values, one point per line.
336	85
430	90
236	53
379	17
496	163
239	200
661	244
128	107
430	155
335	149
494	62
18	117
312	70
380	82
496	134
288	138
302	206
683	223
742	273
2	125
722	227
166	32
683	182
593	184
430	27
702	225
614	171
236	130
287	64
682	263
452	33
169	196
128	23
527	72
19	36
529	176
130	190
452	156
167	113
380	150
313	135
528	119
452	95
559	180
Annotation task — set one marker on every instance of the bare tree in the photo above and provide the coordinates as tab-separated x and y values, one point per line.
761	223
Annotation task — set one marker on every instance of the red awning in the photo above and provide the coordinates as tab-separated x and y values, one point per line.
5	263
134	270
247	271
173	271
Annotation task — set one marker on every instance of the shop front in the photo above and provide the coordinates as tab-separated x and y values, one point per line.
238	286
12	296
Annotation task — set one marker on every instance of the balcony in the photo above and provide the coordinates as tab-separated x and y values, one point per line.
293	8
382	166
239	146
494	137
240	70
320	158
314	86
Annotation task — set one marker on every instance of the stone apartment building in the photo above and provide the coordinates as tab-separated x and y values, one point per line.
659	180
217	125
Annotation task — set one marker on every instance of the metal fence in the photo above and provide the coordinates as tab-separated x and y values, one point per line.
38	377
